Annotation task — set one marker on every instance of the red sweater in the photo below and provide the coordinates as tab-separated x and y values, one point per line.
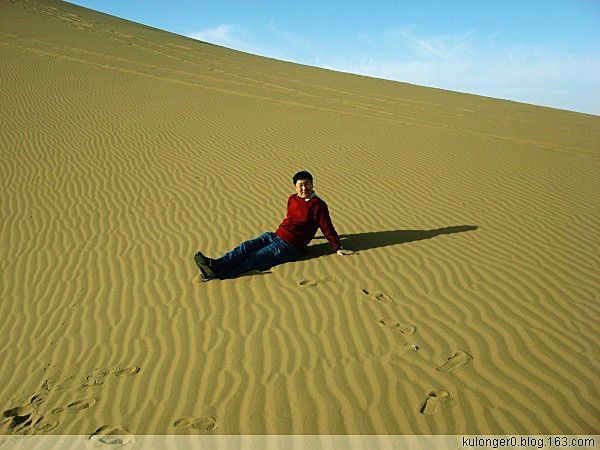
302	220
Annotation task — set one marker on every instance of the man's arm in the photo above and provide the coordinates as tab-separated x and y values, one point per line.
329	231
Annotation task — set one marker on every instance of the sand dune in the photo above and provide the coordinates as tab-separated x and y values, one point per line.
472	305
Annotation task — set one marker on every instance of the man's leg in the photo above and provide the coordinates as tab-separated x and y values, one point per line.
236	256
276	252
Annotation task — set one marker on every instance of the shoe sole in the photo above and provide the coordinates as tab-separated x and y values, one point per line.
205	270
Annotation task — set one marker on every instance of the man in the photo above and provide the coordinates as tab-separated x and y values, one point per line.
305	214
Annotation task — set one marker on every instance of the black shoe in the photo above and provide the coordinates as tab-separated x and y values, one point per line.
205	270
204	276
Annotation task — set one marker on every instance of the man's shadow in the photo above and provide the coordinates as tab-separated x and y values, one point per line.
376	239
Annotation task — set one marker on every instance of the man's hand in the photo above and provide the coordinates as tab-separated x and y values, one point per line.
343	252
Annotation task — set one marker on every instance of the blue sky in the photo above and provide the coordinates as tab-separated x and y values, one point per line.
541	52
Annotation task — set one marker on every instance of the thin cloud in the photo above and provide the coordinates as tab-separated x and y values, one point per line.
467	62
478	65
221	35
228	35
444	47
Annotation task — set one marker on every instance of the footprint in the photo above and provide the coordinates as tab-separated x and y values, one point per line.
81	404
98	377
67	384
399	356
405	330
380	296
110	435
455	360
436	401
315	282
19	418
44	427
207	423
22	418
37	399
95	378
183	422
76	406
19	411
126	371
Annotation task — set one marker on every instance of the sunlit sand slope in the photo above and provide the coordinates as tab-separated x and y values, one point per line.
472	305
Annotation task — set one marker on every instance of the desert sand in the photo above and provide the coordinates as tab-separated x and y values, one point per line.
472	304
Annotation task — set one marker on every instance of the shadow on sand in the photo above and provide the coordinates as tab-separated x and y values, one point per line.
367	241
377	239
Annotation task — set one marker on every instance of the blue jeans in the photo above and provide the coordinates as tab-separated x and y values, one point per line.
261	253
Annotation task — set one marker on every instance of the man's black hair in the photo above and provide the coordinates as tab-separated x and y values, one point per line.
303	175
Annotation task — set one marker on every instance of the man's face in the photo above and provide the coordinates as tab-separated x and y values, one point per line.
304	188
